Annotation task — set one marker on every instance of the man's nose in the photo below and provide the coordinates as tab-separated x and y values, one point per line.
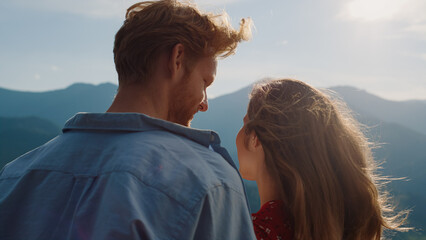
204	105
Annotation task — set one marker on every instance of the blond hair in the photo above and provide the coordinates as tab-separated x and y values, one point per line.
153	27
321	161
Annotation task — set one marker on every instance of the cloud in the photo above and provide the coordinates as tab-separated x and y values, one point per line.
412	11
416	55
417	29
91	8
98	8
215	2
37	76
282	43
54	68
408	17
372	10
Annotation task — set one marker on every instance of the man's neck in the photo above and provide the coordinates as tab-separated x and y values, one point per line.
152	101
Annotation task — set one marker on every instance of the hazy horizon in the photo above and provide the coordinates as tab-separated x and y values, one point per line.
213	97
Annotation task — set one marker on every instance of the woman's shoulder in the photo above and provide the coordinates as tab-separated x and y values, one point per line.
272	222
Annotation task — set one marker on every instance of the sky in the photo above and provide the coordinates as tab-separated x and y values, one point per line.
375	45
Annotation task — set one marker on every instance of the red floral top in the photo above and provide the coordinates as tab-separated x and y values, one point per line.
271	222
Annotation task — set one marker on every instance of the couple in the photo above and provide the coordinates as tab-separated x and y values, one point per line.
139	172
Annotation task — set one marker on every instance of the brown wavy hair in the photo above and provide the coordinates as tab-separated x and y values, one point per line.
322	162
153	27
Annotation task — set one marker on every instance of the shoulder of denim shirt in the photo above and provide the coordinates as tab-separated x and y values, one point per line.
166	156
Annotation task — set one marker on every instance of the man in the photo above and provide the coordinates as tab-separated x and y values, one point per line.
138	171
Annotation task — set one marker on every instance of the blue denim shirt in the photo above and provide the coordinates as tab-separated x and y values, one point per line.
124	176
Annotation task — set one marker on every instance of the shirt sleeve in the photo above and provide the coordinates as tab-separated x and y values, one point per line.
223	214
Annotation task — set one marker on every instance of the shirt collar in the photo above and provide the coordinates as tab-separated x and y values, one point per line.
137	122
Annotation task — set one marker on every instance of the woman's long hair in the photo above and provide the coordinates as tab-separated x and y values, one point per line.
322	161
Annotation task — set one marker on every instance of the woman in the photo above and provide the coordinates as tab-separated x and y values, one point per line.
313	167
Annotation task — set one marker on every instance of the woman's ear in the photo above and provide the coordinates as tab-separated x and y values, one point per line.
176	62
254	144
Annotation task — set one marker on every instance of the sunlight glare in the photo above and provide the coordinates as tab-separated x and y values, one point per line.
373	10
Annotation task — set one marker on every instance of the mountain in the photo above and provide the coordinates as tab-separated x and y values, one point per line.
411	114
59	105
20	135
400	154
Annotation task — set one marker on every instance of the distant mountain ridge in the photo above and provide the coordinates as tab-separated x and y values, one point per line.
411	114
58	105
19	135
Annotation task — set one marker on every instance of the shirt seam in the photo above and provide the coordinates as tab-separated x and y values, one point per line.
225	186
46	168
193	211
110	172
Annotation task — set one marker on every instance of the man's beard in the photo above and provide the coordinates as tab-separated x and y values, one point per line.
181	107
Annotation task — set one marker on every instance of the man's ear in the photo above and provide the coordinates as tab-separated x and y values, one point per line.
175	65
